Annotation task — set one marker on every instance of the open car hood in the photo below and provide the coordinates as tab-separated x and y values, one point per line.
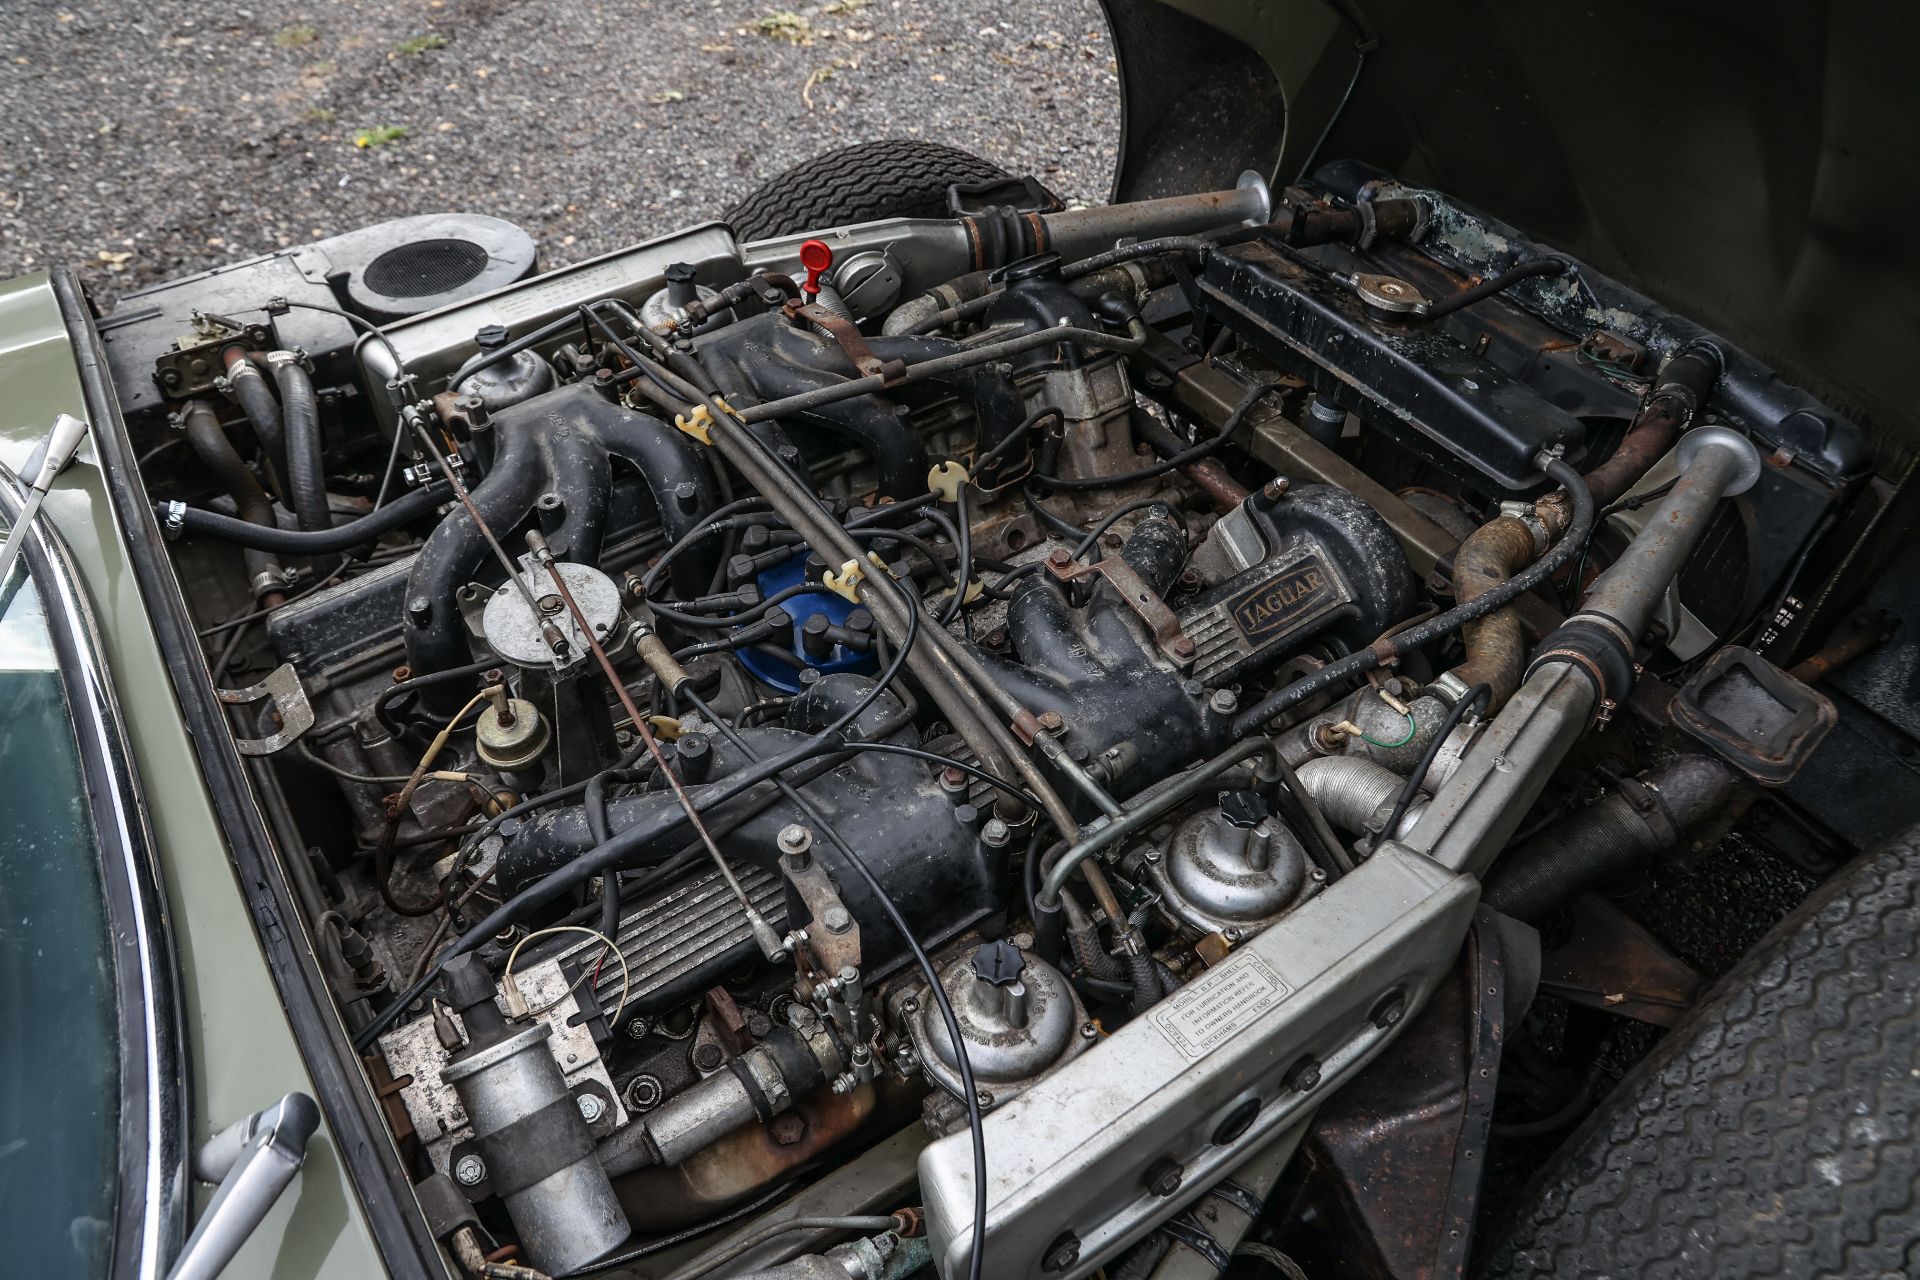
1750	167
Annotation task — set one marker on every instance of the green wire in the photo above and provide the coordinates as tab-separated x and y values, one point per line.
1412	728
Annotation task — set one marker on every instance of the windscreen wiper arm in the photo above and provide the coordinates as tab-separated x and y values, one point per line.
55	453
253	1160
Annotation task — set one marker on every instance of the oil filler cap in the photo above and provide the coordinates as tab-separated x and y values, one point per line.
998	963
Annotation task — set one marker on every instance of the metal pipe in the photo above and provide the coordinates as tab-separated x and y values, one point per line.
1080	233
1355	793
1610	838
925	369
1145	809
1715	463
1476	811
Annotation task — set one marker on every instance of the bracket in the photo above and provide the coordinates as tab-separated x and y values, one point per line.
289	699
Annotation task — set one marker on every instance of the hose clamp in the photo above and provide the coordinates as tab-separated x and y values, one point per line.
1369	225
1449	686
1527	515
173	521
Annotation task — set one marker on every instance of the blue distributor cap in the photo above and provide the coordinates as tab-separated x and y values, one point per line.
785	676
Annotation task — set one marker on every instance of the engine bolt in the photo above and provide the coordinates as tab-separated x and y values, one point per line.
995	833
1163	1176
707	1057
1388	1011
787	1129
1089	1030
1060	556
638	1028
1276	488
1304	1076
1183	646
469	1170
952	779
795	841
591	1107
1223	701
643	1093
836	920
1062	1253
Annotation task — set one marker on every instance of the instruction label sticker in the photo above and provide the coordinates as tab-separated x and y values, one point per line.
1206	1012
538	300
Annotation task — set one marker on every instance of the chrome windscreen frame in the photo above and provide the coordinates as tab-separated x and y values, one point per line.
154	1188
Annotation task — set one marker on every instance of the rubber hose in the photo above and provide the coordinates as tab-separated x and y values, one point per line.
248	533
1084	939
250	391
300	417
1168	982
1496	649
1606	841
1505	280
1146	983
223	462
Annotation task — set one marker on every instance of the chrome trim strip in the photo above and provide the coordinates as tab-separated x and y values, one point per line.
154	1115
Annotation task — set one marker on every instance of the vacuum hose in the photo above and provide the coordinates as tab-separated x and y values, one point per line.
251	533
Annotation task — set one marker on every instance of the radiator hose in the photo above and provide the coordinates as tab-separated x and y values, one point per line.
300	421
223	463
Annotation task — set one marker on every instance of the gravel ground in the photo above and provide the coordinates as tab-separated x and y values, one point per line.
142	141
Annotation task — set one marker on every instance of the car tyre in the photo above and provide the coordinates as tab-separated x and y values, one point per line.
896	178
1773	1132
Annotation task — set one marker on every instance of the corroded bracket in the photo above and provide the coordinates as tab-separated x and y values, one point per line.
289	700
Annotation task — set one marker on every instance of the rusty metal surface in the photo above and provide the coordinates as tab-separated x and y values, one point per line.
833	934
1393	1163
1609	962
757	1156
847	336
1862	632
1141	598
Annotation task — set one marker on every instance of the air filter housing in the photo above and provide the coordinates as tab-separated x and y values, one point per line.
410	265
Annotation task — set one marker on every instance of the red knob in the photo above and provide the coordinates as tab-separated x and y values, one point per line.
816	256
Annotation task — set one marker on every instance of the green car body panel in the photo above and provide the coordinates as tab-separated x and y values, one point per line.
241	1051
